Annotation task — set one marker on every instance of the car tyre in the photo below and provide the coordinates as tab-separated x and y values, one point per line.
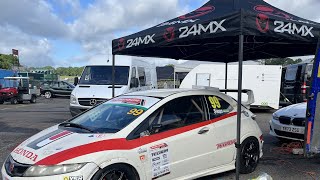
33	99
14	100
115	172
250	154
48	94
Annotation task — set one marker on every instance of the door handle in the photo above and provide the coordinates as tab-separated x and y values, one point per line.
203	130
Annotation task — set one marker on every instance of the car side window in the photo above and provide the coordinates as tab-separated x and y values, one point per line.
55	84
217	106
64	85
174	114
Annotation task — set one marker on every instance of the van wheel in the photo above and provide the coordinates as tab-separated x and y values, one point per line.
116	172
250	154
48	94
14	100
33	99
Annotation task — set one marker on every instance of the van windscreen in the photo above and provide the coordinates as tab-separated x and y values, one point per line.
102	75
291	73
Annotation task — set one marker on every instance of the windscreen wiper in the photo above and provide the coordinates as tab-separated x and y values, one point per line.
75	125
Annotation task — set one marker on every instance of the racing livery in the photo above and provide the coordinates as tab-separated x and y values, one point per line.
153	134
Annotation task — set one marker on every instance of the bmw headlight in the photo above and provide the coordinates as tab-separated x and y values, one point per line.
35	171
275	116
73	99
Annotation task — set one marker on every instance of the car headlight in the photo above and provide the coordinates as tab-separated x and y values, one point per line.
73	99
35	171
275	116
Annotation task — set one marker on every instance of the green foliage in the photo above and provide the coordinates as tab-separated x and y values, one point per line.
282	61
7	61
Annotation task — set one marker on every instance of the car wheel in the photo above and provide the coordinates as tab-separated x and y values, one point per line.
33	99
48	94
250	154
116	172
14	100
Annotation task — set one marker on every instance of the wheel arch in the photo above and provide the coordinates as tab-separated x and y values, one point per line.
126	162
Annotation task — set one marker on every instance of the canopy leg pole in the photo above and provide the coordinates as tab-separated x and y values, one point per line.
238	145
226	78
113	74
174	78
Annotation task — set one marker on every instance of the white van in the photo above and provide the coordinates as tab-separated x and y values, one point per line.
263	80
95	83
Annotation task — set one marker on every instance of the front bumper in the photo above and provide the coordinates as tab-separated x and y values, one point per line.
276	129
77	109
85	173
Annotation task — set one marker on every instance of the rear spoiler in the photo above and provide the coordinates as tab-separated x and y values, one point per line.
249	92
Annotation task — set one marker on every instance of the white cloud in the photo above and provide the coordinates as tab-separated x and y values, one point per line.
32	51
32	17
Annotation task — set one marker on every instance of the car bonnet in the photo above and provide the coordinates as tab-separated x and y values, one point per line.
51	142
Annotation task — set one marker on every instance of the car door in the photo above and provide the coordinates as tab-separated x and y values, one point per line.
178	139
224	128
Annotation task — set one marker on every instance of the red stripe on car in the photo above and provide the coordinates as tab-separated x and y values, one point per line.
57	136
122	143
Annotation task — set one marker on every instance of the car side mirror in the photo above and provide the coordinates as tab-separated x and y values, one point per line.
76	81
134	83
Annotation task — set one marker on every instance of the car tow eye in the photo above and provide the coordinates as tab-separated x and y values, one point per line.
203	130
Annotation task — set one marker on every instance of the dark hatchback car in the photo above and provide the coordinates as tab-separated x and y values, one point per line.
56	88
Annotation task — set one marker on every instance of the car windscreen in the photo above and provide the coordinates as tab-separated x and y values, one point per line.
291	73
115	114
102	75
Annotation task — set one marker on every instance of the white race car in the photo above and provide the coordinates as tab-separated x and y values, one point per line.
289	122
163	134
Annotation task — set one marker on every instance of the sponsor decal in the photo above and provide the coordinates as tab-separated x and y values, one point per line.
122	143
292	28
142	150
220	111
198	29
49	138
178	22
159	160
268	10
262	22
199	12
168	34
271	11
134	101
225	144
28	154
140	40
121	44
73	178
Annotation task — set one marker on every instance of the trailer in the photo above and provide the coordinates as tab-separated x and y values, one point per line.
263	80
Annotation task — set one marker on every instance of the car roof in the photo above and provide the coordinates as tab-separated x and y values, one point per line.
162	93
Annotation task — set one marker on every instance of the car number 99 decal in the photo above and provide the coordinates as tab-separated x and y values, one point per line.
135	111
214	101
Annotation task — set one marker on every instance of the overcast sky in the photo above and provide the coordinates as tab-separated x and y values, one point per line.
71	32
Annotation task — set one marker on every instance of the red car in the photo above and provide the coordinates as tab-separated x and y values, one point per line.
8	94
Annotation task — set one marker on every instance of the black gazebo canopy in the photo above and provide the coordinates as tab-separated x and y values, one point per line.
226	31
211	32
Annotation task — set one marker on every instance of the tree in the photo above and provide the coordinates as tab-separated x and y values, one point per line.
282	61
8	61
